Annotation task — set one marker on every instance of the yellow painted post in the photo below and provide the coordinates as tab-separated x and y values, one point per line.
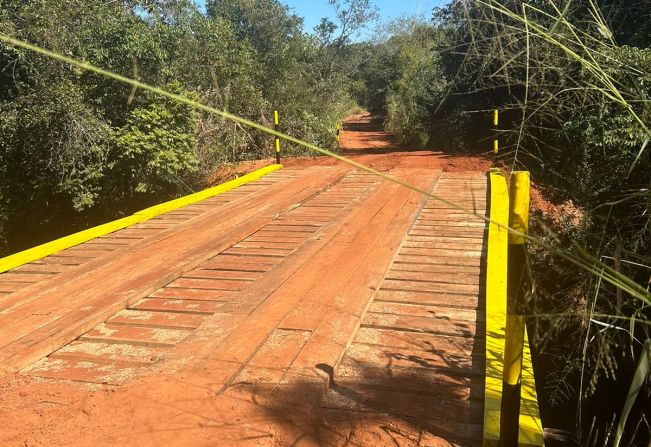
496	271
515	324
531	430
496	120
277	139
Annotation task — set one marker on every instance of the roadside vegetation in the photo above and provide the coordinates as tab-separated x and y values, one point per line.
571	79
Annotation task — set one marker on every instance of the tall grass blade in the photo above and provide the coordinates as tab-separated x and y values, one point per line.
637	158
641	373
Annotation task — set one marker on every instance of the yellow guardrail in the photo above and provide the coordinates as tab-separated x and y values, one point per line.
529	427
49	248
496	264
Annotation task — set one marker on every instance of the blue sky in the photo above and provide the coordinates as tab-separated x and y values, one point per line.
313	10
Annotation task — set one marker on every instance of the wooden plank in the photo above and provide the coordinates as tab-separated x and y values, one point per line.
447	362
194	294
11	287
404	340
453	243
440	251
406	405
13	276
438	260
110	352
427	310
65	260
469	278
223	274
442	239
208	283
431	286
42	268
239	262
142	336
269	233
445	231
77	370
171	320
279	239
267	252
432	325
427	381
103	243
199	307
270	244
432	298
280	348
292	228
81	252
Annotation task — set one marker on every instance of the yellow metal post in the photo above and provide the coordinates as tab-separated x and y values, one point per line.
496	121
515	324
277	139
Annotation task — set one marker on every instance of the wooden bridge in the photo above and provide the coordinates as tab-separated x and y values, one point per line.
318	306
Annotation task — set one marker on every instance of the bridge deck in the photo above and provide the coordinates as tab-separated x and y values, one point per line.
320	305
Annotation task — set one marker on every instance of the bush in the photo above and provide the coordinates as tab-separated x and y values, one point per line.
154	154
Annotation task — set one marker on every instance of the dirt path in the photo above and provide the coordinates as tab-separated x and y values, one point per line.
364	140
264	290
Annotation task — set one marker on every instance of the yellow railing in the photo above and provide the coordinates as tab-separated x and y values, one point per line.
52	247
518	373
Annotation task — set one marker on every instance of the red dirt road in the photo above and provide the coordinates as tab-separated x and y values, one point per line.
255	334
364	140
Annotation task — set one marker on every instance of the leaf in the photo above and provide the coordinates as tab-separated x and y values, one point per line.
641	373
639	154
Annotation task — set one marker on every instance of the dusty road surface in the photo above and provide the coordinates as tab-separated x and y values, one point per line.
318	305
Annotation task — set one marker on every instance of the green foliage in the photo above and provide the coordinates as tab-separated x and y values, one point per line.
419	87
603	150
155	152
54	144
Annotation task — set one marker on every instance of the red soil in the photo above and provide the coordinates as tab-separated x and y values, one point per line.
230	172
557	214
364	140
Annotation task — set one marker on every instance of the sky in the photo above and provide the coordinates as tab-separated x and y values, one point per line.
313	10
